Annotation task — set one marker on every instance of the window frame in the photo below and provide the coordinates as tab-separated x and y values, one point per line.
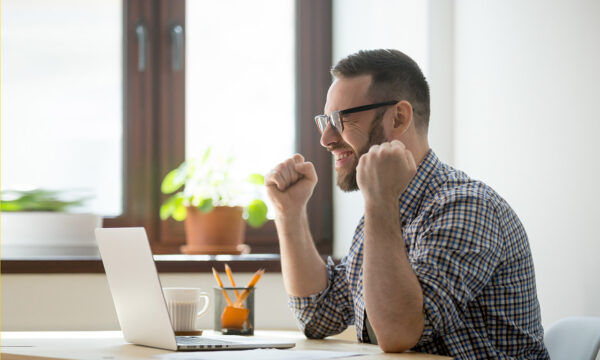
154	121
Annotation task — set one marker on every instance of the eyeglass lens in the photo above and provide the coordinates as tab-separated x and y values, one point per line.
334	118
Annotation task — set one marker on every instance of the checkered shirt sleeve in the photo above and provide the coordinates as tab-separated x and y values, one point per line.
328	312
454	259
475	269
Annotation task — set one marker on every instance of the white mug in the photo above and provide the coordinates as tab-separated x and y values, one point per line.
183	305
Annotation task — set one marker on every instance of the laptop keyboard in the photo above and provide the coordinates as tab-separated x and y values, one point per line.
198	340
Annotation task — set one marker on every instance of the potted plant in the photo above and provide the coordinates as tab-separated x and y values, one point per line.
213	201
42	218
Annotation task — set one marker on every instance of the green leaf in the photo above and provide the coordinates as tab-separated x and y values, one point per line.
256	179
168	208
205	155
40	200
257	213
180	212
175	207
10	206
172	182
206	205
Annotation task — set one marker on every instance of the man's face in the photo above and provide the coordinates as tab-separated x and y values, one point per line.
361	130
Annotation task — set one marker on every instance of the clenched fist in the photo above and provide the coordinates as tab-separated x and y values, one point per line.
385	171
290	184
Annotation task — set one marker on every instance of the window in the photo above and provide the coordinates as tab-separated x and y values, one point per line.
148	112
62	98
240	84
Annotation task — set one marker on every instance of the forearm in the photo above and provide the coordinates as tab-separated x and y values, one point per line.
393	294
304	272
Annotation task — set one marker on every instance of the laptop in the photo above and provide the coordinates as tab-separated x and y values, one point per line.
139	301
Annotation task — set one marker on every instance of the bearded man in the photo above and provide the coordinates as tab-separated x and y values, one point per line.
439	262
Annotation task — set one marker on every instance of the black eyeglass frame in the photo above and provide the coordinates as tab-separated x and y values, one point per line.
335	118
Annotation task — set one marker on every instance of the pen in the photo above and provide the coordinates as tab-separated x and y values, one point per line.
249	287
230	276
221	286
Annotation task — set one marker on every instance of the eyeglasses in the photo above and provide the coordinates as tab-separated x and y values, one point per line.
335	118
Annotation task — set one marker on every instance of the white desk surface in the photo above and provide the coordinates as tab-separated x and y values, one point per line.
110	345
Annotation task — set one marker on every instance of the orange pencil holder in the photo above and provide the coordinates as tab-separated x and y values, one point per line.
237	319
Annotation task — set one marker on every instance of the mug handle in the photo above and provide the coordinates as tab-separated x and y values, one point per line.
206	303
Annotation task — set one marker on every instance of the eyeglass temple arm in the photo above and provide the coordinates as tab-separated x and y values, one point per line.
367	107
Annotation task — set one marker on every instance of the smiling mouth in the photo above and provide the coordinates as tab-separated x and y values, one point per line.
342	155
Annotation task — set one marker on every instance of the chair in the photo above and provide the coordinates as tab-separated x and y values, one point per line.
574	338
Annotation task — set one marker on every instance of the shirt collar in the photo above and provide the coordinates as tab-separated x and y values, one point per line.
411	199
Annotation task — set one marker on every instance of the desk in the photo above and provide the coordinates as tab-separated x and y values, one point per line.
109	345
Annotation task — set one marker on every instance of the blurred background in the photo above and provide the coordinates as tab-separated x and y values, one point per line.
109	95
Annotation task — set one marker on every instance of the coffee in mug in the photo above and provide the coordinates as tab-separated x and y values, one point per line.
185	306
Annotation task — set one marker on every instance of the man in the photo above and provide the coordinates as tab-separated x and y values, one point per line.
439	262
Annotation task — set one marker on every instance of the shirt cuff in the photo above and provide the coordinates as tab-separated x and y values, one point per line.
431	309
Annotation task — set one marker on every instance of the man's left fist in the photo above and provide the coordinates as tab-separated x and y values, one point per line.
385	171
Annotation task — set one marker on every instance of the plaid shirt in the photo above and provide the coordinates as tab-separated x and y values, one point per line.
471	255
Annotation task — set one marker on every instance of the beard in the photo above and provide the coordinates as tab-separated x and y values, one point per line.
346	180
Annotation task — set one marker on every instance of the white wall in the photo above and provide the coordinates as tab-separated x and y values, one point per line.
527	97
83	301
440	75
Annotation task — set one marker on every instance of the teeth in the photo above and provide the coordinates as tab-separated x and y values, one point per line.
342	156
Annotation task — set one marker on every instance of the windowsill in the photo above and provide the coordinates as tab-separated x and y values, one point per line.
69	260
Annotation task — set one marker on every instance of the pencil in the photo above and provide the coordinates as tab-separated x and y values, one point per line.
250	285
230	276
221	286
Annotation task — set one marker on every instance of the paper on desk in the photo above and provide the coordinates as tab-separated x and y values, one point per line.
258	354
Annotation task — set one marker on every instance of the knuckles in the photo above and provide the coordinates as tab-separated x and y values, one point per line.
271	175
278	169
284	171
395	148
297	158
276	173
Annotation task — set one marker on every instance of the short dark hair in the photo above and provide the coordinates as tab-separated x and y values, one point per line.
394	76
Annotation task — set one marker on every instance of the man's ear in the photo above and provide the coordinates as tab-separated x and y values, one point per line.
403	116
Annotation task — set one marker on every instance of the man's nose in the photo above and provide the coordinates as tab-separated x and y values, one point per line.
329	136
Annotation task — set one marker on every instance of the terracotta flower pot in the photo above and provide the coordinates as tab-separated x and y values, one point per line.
220	231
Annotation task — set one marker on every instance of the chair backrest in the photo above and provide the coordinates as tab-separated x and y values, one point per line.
574	338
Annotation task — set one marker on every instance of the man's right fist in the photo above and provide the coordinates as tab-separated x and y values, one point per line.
290	184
